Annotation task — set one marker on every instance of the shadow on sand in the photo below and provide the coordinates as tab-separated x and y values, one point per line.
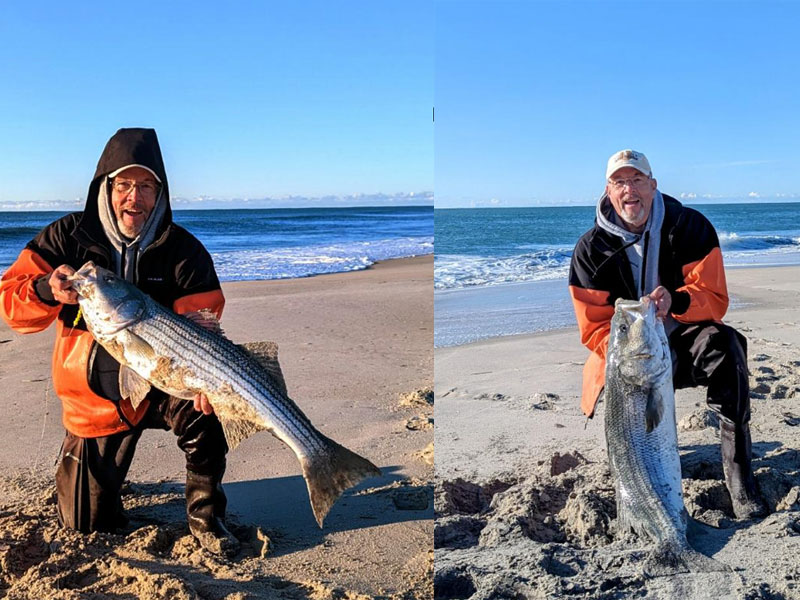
281	508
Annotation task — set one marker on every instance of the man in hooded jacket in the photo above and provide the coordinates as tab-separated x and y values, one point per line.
644	243
127	228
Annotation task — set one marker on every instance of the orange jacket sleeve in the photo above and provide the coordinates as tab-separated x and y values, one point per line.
704	282
593	313
21	307
212	300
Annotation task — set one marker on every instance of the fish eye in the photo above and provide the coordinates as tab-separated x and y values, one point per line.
108	278
623	328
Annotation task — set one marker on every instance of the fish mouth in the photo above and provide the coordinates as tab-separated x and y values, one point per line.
82	278
81	285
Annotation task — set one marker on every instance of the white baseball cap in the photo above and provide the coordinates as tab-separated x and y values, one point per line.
121	169
628	158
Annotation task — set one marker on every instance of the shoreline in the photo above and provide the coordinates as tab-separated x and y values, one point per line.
383	263
563	310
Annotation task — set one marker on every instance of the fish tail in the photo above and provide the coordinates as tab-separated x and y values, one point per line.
331	472
670	558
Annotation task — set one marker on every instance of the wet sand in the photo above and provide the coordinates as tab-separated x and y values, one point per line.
525	504
356	351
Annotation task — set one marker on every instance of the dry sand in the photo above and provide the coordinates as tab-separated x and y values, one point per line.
357	353
524	501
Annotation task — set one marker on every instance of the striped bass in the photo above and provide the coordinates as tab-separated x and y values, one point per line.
642	439
156	346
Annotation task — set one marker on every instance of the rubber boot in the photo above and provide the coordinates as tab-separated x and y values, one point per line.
736	464
205	510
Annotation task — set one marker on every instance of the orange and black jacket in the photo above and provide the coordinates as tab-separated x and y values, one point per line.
175	270
690	267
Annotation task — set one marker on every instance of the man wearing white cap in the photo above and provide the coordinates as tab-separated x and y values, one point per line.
645	243
126	227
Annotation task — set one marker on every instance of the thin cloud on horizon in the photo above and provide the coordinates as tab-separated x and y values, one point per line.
208	202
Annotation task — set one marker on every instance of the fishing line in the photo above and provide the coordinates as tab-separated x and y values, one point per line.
44	427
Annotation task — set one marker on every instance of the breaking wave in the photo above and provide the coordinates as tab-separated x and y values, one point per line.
305	261
461	271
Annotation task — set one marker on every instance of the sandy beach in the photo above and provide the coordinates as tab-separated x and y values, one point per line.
356	351
525	503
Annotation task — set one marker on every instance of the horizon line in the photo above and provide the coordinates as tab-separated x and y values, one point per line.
210	208
690	202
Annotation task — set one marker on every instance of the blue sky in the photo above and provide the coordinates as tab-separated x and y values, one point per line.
249	99
533	97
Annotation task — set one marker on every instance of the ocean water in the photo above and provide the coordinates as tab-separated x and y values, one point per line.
276	243
504	271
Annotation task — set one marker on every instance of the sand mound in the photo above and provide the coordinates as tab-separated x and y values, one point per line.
551	533
421	397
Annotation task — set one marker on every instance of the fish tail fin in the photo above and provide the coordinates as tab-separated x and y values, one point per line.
670	558
331	472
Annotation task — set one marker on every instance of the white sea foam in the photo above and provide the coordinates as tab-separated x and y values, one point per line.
304	261
461	271
540	262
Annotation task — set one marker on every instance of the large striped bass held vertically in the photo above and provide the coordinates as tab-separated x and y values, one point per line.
156	346
642	439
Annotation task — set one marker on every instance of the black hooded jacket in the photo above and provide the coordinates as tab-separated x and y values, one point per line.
175	270
174	265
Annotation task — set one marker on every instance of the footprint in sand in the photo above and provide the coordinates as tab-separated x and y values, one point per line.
426	454
492	397
774	380
544	401
791	419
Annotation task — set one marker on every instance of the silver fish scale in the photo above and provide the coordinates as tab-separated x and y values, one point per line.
645	464
189	345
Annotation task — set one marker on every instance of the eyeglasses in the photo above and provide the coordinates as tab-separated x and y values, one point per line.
124	187
637	182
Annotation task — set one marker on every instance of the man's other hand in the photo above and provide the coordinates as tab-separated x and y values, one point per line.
206	319
201	404
663	300
61	286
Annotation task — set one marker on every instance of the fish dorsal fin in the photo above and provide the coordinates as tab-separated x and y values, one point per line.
133	386
654	411
266	355
234	427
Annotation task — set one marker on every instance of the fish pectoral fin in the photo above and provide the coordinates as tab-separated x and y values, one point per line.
236	430
654	411
133	386
138	349
266	355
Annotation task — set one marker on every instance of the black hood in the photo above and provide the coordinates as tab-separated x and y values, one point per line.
130	146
